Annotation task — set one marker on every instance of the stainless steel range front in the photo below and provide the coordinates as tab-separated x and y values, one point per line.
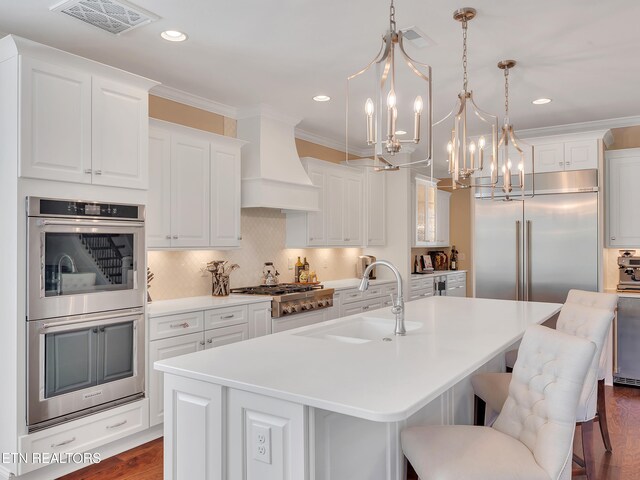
85	312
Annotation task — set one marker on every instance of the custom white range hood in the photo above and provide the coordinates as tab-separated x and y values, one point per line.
272	175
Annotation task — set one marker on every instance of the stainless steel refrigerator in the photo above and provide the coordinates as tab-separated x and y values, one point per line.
539	248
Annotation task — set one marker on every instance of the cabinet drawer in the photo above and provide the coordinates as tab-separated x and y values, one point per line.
226	335
374	291
298	320
457	277
351	295
86	433
418	294
390	290
361	307
421	283
222	317
459	290
174	325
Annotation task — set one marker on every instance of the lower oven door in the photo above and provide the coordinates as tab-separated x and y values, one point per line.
79	364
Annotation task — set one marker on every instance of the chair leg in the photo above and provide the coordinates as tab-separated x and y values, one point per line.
586	430
479	411
602	416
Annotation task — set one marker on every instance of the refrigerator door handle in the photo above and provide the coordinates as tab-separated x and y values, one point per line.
527	290
616	369
517	259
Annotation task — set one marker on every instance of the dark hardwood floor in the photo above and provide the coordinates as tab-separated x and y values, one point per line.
623	407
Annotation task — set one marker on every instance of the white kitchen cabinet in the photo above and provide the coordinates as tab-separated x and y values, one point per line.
160	350
158	212
443	207
352	301
82	128
55	123
457	284
623	198
194	188
259	315
226	335
549	157
340	220
376	208
189	192
120	130
581	154
225	195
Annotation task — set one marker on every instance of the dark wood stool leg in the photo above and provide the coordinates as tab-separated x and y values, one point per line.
602	416
479	411
586	429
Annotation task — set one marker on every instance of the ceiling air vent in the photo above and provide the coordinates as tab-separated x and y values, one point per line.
417	37
110	15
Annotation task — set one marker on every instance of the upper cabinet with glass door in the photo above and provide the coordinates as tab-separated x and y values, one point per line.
425	208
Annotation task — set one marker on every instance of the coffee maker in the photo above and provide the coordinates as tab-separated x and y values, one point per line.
629	271
361	265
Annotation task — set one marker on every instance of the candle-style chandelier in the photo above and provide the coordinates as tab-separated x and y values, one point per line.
466	156
385	110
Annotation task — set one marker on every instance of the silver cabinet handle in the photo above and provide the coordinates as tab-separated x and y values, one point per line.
98	172
202	343
560	163
527	292
168	237
613	238
87	170
365	307
353	295
224	317
179	325
210	340
239	237
66	442
116	425
175	237
424	295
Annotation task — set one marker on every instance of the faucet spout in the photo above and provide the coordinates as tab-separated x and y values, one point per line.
72	263
398	303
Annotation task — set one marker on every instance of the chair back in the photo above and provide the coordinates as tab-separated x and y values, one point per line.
545	387
589	315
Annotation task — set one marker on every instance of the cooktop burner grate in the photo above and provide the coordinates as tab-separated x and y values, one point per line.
280	289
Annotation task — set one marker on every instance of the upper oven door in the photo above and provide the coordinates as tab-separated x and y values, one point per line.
83	266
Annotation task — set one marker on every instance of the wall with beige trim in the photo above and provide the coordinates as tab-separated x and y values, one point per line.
178	273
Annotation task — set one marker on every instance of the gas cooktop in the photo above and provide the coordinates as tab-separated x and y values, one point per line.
280	289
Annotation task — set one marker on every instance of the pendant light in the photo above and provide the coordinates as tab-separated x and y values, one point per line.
465	155
395	105
512	153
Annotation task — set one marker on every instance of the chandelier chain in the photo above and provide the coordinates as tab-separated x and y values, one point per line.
506	95
392	17
464	54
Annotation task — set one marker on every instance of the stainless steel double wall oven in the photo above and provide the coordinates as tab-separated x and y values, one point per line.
85	312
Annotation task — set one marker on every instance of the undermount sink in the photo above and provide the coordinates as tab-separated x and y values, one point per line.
361	330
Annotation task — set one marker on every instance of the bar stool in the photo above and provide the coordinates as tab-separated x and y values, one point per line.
532	437
587	315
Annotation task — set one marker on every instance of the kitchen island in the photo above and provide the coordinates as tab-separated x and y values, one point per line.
328	401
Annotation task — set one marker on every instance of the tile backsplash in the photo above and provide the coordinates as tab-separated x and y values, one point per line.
178	272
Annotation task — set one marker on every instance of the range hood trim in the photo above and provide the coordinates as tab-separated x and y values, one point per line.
256	190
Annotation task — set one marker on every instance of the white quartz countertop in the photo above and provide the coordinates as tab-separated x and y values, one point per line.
160	308
383	381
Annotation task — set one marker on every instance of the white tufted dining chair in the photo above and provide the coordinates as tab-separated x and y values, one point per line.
532	437
587	315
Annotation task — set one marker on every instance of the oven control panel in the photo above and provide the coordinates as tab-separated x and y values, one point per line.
48	207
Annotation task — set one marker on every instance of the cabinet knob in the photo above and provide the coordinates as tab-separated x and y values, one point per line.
202	343
175	237
567	163
239	237
98	172
613	238
310	239
168	237
560	163
87	170
210	340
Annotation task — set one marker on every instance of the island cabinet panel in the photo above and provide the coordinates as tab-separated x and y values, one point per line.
194	408
267	438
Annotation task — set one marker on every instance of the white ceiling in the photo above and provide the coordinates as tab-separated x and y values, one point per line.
584	54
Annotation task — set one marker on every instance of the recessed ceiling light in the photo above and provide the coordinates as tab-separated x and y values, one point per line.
541	101
174	36
322	98
400	132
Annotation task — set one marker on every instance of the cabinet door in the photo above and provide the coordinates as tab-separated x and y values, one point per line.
120	135
158	213
549	157
259	319
425	210
226	335
624	198
189	192
161	350
316	228
55	123
334	201
352	209
376	208
443	202
225	196
581	155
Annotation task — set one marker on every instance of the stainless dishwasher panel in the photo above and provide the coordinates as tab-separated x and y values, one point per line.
628	342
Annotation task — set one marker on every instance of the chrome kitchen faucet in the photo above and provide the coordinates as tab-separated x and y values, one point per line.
398	304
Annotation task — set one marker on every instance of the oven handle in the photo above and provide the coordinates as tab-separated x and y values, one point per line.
90	320
94	223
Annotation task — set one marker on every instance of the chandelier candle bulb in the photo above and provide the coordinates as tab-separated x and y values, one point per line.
369	109
417	110
472	155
